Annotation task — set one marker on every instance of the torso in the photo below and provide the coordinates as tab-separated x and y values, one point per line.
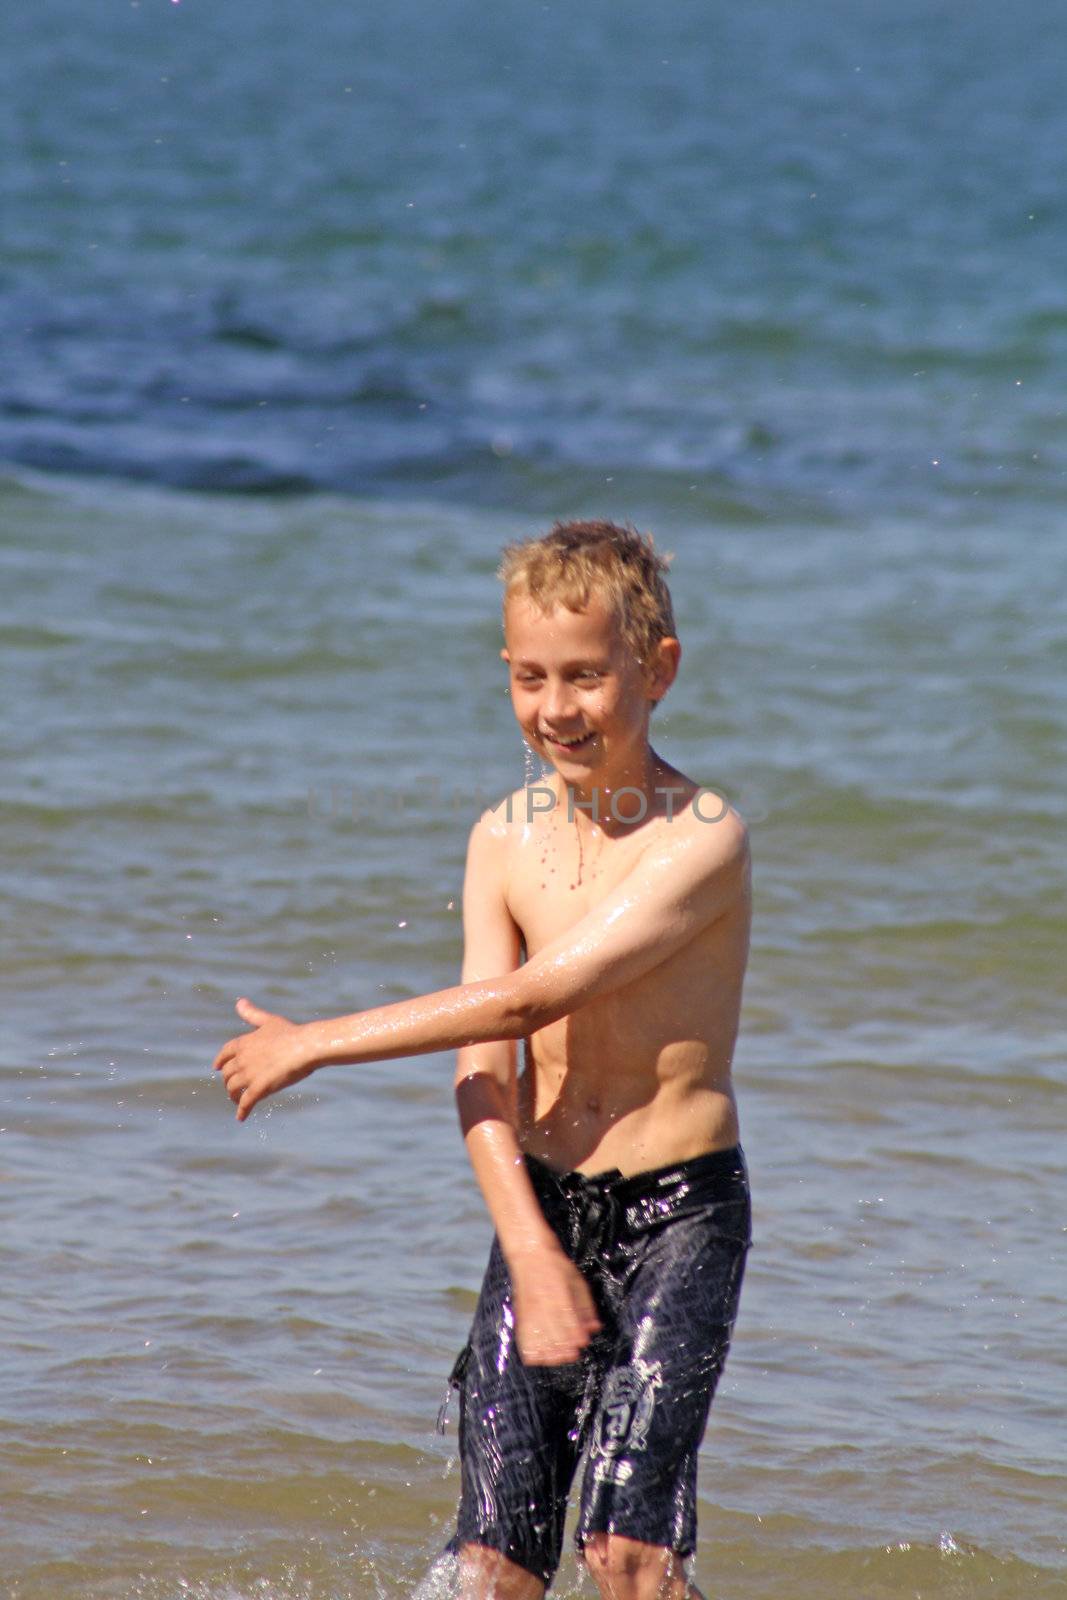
639	1078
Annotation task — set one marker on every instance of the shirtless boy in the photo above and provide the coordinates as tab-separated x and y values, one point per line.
606	920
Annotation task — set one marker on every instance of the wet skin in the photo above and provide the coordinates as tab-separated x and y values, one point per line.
606	925
640	1074
635	934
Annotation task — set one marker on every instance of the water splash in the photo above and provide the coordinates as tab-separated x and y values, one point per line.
535	768
529	763
441	1582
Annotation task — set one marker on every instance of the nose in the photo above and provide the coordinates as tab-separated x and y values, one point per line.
558	705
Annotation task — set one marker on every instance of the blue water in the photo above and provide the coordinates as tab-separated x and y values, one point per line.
725	260
303	312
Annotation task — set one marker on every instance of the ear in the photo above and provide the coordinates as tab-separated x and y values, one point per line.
662	668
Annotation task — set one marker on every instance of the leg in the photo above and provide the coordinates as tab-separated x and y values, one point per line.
625	1569
679	1297
518	1448
487	1575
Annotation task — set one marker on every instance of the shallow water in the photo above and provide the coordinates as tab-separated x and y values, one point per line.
784	287
228	1344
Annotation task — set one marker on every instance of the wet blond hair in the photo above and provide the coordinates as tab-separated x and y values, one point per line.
576	560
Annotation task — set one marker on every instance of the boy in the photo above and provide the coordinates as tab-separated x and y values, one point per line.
606	921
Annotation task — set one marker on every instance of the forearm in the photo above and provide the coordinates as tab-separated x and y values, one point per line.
555	1316
280	1053
470	1013
493	1146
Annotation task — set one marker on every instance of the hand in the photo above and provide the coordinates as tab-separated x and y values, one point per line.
257	1064
555	1317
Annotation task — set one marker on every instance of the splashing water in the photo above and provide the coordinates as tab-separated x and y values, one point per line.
529	761
441	1582
535	768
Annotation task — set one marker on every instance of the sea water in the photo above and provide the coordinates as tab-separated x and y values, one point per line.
303	317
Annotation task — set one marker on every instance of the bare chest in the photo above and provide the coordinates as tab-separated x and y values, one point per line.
560	872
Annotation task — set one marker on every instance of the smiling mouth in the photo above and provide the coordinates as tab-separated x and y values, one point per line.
571	746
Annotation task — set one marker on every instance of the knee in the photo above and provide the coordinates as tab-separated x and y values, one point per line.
625	1569
485	1574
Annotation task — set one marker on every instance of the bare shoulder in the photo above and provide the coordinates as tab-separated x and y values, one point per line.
501	823
706	823
496	834
704	845
720	825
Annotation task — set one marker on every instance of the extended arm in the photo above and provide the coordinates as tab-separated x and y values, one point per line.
666	900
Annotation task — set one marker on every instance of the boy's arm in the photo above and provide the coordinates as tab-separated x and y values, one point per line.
554	1312
668	898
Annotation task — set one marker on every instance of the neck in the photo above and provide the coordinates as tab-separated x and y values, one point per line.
617	800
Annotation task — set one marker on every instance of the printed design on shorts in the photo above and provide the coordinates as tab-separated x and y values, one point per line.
624	1418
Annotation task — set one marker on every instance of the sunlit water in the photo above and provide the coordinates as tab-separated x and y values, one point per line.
785	286
249	743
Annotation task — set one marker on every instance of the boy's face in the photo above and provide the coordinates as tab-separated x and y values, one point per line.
581	697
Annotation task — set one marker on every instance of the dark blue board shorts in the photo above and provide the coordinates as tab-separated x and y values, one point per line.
664	1254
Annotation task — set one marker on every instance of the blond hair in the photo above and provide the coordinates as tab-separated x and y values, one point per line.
576	560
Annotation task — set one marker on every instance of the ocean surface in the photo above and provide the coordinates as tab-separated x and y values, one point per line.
303	312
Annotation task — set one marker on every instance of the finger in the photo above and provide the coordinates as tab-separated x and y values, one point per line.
224	1055
253	1014
580	1320
586	1313
245	1102
555	1355
553	1349
235	1077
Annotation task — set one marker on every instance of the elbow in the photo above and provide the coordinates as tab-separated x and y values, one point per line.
520	1010
485	1087
532	1002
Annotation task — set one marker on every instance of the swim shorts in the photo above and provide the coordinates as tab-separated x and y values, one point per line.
664	1254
